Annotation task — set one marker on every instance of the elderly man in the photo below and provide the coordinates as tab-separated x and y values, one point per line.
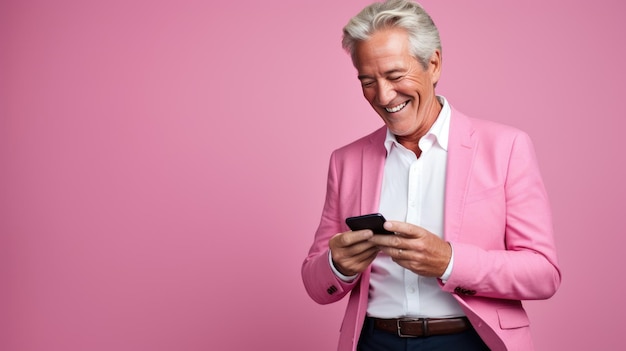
463	197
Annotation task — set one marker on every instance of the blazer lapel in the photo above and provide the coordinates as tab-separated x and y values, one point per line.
373	166
460	159
372	169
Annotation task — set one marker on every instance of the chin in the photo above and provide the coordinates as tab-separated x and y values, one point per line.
399	126
396	130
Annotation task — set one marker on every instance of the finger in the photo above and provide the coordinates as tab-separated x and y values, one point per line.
357	263
367	256
348	239
358	248
394	241
396	253
352	251
405	229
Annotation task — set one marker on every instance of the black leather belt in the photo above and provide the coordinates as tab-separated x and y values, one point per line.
421	327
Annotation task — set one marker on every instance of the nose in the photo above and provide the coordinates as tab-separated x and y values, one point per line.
385	93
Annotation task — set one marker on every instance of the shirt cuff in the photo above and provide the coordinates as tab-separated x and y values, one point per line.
345	278
446	275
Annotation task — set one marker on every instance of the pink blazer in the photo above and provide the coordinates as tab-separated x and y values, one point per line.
497	218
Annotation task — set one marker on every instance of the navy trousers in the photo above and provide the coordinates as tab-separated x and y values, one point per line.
378	340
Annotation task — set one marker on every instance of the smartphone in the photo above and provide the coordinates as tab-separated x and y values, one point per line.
373	221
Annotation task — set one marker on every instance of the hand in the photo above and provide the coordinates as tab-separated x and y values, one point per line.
352	252
415	248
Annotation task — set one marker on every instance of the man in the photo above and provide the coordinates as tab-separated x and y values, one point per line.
464	197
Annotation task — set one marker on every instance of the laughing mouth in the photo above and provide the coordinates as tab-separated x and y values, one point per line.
396	108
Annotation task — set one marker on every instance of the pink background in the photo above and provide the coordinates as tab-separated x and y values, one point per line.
163	163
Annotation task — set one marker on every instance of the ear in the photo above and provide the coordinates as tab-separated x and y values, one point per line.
434	67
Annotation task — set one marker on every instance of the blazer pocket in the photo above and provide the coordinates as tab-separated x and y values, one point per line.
484	194
512	318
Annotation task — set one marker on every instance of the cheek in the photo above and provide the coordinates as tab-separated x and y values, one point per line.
369	95
413	86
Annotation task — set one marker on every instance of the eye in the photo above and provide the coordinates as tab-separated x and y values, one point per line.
395	78
367	83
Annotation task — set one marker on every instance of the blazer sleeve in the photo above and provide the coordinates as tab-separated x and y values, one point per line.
322	285
505	247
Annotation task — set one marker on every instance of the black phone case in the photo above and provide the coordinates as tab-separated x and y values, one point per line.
373	221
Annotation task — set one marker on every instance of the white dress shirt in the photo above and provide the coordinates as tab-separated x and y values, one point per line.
413	191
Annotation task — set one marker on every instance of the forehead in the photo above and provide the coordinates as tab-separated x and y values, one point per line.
383	50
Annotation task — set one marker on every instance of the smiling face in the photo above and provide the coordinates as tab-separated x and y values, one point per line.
396	85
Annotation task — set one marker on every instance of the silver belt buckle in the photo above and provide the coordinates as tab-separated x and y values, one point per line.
424	327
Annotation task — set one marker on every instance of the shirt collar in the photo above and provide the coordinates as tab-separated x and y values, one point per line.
440	130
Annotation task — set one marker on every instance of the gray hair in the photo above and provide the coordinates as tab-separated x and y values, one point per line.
404	14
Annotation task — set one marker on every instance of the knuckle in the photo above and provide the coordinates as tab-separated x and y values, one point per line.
419	247
395	241
345	240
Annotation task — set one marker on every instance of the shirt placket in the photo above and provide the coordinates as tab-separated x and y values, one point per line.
414	210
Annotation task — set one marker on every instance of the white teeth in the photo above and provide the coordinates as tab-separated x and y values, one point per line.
397	108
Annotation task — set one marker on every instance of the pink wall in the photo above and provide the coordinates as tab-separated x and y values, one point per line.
163	163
